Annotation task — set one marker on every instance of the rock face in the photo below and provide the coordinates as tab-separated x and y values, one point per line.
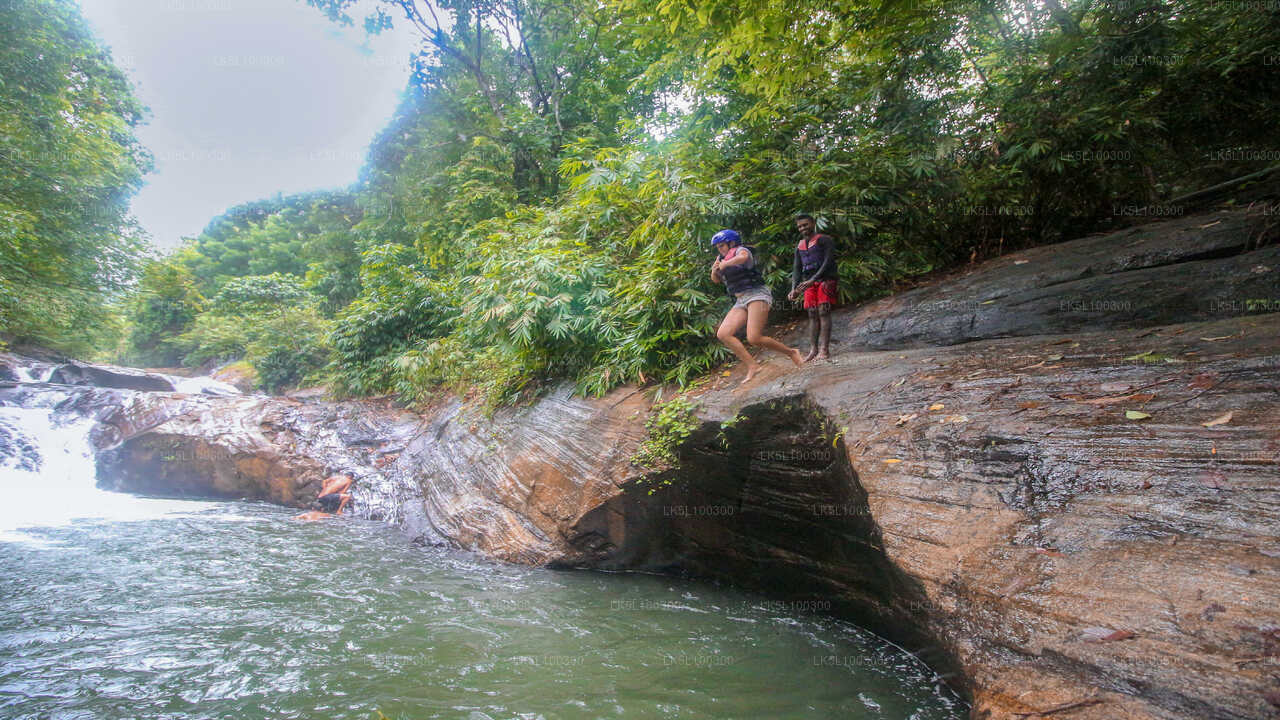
109	376
1059	502
1202	267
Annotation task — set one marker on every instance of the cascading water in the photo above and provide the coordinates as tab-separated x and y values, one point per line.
46	476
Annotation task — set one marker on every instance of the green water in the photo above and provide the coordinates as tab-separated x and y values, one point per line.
233	610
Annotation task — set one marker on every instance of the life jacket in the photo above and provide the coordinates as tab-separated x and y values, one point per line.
740	278
811	257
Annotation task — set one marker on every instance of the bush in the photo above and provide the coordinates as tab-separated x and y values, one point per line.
285	345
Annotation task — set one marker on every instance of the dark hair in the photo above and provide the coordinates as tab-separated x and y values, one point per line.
806	216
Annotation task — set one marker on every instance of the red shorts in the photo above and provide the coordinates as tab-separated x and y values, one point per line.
823	291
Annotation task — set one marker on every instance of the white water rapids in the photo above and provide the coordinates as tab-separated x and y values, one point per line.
60	489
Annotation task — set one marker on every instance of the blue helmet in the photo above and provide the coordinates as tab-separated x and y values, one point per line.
725	236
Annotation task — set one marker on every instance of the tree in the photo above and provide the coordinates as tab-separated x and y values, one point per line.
164	306
69	162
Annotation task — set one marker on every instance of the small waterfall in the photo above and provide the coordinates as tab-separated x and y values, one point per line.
47	476
33	373
200	385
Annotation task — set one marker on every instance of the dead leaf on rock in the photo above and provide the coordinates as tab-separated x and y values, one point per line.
1049	551
1215	339
1135	415
1053	358
1203	381
955	419
904	419
936	406
1220	420
1028	405
1115	387
891	461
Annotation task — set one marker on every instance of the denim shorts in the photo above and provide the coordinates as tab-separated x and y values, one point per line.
741	300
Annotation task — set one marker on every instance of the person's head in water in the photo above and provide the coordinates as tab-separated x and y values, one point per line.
725	240
806	225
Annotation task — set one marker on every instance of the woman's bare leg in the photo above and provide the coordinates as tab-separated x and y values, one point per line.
727	334
757	316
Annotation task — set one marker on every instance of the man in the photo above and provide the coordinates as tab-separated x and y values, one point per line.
333	494
815	273
333	497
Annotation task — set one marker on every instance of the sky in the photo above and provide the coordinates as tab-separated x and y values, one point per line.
248	98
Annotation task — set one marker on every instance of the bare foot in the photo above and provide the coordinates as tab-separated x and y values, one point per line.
797	358
823	356
812	354
751	375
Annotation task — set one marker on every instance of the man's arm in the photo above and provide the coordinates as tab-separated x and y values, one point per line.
795	272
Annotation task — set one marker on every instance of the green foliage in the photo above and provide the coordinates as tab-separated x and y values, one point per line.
288	348
256	294
213	337
69	162
669	424
286	345
608	287
307	236
397	308
164	306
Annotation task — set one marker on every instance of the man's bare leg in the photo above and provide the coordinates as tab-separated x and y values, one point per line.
824	318
727	334
346	498
813	334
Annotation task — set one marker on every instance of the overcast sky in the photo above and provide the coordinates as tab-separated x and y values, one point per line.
248	98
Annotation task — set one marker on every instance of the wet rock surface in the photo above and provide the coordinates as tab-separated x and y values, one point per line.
109	376
1201	267
1083	517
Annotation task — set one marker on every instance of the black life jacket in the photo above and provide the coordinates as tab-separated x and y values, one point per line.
740	278
811	257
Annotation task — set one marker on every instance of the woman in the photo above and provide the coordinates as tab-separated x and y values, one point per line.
736	268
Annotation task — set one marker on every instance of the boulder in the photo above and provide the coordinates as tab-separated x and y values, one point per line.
109	376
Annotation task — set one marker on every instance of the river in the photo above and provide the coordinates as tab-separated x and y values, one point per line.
116	606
